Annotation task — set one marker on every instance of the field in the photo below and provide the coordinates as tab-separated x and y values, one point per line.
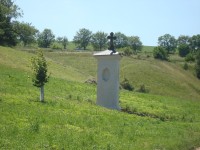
165	118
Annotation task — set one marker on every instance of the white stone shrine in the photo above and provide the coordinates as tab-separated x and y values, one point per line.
108	79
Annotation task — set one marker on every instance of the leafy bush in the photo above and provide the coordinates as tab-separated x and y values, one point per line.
125	84
57	46
183	50
189	57
127	51
160	53
185	66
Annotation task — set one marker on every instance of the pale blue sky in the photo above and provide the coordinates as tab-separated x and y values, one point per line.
147	19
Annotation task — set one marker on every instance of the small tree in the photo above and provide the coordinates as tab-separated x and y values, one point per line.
168	42
135	43
40	76
99	40
183	50
63	40
45	38
121	40
82	38
195	43
160	53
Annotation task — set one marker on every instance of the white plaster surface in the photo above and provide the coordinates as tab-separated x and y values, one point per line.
108	79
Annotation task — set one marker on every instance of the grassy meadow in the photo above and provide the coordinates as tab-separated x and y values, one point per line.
165	118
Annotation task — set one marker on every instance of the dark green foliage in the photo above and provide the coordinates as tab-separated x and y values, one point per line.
168	42
63	40
45	38
39	67
160	53
185	66
99	40
190	57
125	84
197	66
183	50
7	35
121	40
195	43
183	40
26	33
82	38
135	43
8	10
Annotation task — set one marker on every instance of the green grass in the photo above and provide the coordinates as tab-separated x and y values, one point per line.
160	77
69	119
147	49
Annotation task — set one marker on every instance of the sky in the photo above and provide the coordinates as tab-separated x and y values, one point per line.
147	19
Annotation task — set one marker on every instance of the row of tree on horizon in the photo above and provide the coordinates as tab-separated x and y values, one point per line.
13	32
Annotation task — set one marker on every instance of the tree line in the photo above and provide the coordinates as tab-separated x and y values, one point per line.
184	45
13	32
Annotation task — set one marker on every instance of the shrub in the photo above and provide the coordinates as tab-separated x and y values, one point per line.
160	53
185	66
127	51
183	50
56	46
189	57
125	84
143	89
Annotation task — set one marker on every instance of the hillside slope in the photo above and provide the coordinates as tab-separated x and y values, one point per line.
159	77
69	119
22	60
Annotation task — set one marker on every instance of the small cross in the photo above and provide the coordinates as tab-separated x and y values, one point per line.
111	37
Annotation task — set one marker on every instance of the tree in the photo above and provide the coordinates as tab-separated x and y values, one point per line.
195	43
82	38
183	50
160	53
45	38
99	40
121	40
63	41
40	76
168	42
25	32
197	66
183	40
8	12
135	43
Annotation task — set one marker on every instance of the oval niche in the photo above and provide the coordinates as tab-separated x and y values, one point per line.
106	74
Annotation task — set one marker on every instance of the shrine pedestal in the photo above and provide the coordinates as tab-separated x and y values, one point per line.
108	79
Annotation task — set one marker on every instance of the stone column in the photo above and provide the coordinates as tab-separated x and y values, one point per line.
108	79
